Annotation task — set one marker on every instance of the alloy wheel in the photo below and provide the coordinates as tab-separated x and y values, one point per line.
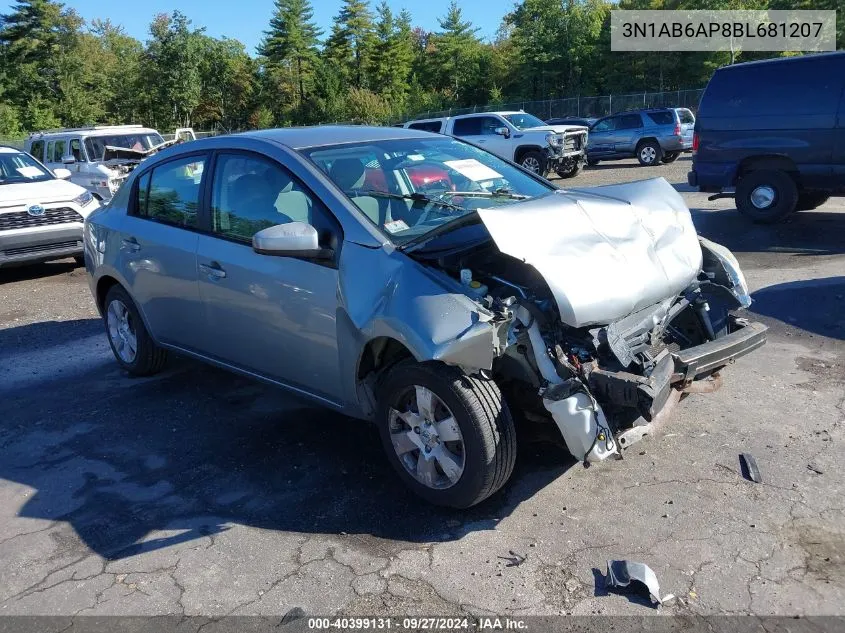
122	331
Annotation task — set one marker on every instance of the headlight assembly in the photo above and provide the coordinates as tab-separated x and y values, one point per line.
83	199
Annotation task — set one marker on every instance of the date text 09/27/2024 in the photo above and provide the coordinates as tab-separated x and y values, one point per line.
418	624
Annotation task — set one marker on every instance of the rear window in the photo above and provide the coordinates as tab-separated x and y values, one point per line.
426	126
810	86
662	117
685	116
467	127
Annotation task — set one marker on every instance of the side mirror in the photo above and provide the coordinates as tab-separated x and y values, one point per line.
294	239
68	159
503	131
62	174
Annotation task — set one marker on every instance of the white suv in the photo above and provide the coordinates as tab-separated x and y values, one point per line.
519	137
83	152
41	213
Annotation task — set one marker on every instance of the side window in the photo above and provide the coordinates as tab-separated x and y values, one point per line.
467	127
58	151
37	150
661	117
171	192
606	125
76	149
49	157
251	193
489	125
628	122
427	126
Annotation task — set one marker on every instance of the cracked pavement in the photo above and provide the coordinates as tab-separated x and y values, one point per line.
197	492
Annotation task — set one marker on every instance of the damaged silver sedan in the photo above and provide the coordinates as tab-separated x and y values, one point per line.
424	284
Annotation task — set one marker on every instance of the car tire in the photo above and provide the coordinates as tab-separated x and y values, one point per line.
649	153
534	161
456	464
124	327
670	157
807	201
571	172
766	196
592	162
80	260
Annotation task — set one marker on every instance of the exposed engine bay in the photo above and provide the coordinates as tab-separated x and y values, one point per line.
604	382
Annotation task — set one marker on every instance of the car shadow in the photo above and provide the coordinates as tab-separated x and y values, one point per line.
135	465
803	233
27	272
813	305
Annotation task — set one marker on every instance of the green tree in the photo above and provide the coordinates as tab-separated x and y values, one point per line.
393	55
290	45
351	42
456	55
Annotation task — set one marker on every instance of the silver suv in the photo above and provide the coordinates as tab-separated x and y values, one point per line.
651	136
82	151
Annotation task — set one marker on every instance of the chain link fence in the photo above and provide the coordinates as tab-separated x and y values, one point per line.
584	106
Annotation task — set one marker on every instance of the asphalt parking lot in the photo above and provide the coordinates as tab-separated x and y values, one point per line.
199	492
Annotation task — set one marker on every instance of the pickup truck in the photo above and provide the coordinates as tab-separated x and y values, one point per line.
518	137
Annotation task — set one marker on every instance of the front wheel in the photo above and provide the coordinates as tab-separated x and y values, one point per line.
670	157
592	162
449	435
133	347
534	161
810	201
766	196
649	153
570	171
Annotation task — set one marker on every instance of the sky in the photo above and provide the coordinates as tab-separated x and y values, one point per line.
245	20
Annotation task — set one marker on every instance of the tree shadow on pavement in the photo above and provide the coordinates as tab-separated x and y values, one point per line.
134	465
802	233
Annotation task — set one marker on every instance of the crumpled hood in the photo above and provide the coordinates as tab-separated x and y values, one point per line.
44	192
605	252
558	128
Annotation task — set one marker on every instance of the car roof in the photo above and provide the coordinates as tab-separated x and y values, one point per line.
782	60
319	135
8	149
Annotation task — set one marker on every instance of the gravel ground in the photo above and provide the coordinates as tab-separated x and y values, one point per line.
199	492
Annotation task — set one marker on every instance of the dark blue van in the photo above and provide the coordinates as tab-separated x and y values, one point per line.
774	131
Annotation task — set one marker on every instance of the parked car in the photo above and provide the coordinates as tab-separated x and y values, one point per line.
772	135
100	156
41	213
584	122
518	137
654	136
446	316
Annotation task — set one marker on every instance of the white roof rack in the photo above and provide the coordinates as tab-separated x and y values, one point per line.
87	128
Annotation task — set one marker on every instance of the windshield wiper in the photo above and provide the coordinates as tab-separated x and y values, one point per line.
464	220
416	197
496	193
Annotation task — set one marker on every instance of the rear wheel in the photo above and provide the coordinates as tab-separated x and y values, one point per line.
534	161
132	345
808	201
766	196
448	435
670	157
649	153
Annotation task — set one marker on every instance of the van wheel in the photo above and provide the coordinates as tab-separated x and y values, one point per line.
449	435
766	196
809	201
649	153
534	161
132	345
670	157
592	162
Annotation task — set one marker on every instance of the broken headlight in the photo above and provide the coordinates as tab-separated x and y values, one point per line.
736	280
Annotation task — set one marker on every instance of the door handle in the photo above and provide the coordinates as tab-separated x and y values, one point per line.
130	244
213	270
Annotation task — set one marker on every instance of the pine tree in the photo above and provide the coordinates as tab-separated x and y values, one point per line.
292	41
352	40
457	51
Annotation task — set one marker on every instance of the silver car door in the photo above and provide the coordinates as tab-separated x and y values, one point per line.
158	244
272	316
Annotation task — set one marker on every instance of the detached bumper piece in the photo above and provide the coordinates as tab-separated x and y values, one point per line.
701	359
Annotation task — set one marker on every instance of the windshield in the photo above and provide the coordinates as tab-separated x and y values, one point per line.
95	145
409	187
17	167
524	121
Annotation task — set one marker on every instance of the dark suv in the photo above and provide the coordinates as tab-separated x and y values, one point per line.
651	136
775	132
